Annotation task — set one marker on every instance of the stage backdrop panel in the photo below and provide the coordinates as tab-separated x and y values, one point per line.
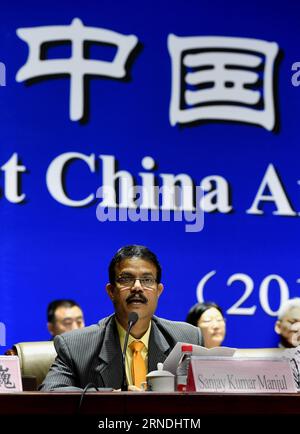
97	97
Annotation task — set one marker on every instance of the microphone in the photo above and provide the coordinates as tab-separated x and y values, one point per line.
132	319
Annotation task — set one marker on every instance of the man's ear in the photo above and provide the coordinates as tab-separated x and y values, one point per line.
110	289
50	328
160	288
277	327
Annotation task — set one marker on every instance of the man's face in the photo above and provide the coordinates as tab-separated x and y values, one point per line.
66	319
289	327
212	325
137	296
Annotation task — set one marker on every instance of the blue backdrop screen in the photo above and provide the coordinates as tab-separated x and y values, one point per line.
110	94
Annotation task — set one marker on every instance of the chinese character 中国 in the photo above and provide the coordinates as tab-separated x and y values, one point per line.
222	78
77	67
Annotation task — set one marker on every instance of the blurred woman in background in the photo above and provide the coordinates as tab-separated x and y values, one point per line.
209	317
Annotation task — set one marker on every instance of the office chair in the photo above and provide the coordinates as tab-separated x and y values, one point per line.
35	361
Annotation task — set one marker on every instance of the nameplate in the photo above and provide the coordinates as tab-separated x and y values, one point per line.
10	374
224	375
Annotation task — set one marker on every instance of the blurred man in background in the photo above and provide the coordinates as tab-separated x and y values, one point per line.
64	316
288	324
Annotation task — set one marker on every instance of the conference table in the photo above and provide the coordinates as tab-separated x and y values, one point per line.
148	403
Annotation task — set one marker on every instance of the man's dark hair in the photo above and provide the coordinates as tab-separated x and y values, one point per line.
198	310
133	251
55	304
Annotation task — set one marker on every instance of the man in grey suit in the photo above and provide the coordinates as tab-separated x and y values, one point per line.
93	355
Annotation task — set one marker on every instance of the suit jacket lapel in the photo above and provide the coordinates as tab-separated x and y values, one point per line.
110	368
158	348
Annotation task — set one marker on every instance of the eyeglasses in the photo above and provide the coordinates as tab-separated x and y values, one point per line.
210	321
291	322
129	282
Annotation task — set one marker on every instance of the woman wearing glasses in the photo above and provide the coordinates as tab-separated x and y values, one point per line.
209	317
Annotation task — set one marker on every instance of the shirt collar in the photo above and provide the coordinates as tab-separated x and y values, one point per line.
122	333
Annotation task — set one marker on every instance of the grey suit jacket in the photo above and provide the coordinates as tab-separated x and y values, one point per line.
93	354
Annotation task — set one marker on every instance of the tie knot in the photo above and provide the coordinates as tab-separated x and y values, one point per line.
136	346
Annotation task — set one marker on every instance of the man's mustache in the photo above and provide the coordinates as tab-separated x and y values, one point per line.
136	297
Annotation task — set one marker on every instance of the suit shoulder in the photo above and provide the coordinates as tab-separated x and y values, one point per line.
180	330
175	324
84	335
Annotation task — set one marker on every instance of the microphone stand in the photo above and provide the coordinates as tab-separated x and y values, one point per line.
132	319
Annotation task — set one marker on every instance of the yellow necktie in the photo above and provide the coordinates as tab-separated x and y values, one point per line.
138	366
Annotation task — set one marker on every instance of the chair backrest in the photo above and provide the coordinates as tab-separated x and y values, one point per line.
258	352
35	358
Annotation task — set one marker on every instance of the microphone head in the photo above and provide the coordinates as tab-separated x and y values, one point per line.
132	318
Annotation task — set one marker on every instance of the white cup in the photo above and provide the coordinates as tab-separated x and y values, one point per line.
160	380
